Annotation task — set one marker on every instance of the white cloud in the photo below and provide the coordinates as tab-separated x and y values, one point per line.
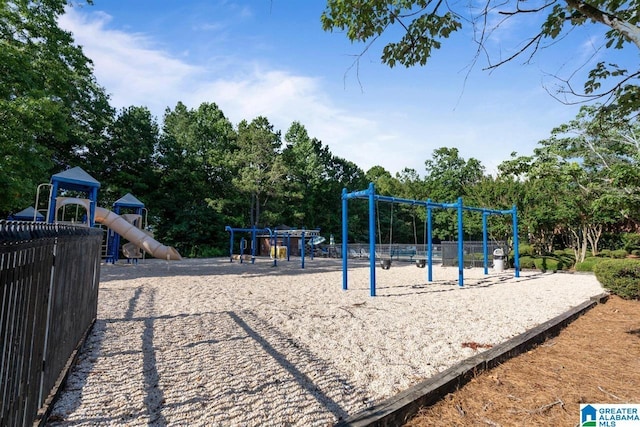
135	72
394	129
132	70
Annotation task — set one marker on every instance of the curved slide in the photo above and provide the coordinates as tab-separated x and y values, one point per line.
135	235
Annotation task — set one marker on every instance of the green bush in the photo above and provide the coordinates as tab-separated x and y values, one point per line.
605	253
635	252
527	262
588	264
525	250
619	254
630	241
567	261
206	251
611	241
546	263
620	276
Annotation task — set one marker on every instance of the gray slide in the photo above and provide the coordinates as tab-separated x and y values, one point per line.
136	236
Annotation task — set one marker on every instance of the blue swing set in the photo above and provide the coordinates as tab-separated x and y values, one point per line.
372	197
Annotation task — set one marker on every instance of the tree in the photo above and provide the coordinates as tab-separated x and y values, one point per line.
423	25
195	198
609	150
411	186
306	162
385	184
51	107
126	161
449	176
342	174
501	193
261	172
601	162
541	207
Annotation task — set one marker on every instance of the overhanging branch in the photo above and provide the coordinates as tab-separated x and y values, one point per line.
628	30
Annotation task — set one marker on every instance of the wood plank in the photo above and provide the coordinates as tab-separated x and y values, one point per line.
400	408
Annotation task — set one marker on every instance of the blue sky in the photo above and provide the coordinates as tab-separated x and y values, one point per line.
272	58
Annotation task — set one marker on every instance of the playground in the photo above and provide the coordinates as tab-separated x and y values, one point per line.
209	342
71	197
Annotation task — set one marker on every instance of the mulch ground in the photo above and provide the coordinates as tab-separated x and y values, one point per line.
596	359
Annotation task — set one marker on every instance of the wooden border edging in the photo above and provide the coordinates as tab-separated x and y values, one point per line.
398	409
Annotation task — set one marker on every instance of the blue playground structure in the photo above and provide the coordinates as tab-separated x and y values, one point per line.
76	188
275	235
135	209
372	197
27	214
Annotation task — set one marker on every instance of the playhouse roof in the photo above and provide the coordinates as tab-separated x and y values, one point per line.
75	179
130	201
27	215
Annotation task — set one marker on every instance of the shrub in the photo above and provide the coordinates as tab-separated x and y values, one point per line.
206	251
635	252
620	276
525	250
630	241
619	254
546	263
566	261
588	264
527	262
605	253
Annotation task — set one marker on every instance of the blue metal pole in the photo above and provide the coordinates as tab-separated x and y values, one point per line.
516	242
274	243
303	245
372	239
485	248
254	244
243	243
460	245
288	246
429	244
345	236
93	196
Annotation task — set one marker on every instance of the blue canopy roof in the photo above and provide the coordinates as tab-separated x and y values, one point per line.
129	201
75	179
27	215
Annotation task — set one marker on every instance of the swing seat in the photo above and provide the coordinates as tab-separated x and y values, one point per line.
385	263
420	263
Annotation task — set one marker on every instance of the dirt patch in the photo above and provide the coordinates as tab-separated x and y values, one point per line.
596	359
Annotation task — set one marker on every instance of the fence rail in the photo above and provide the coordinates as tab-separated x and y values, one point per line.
397	252
49	277
473	252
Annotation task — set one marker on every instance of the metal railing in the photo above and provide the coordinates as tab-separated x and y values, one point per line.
397	252
49	276
473	252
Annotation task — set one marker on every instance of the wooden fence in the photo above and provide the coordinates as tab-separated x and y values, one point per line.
49	276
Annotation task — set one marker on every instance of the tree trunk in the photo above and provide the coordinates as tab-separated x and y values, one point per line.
579	242
594	233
